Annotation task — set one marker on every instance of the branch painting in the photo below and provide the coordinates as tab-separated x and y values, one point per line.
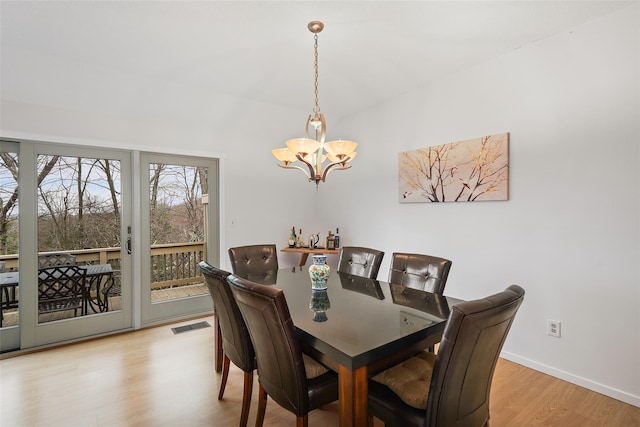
467	171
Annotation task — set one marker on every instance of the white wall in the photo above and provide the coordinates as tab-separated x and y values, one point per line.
252	186
569	233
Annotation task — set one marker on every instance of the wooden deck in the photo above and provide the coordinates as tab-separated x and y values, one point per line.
11	317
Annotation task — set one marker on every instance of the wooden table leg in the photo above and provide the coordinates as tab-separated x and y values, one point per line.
353	397
218	345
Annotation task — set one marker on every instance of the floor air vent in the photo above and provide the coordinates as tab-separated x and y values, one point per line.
191	327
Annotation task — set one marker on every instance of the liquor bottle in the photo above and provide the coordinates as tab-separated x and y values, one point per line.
300	242
331	242
337	238
293	239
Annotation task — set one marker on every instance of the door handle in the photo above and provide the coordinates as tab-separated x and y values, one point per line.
129	240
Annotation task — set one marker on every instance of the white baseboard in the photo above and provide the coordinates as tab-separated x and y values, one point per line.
566	376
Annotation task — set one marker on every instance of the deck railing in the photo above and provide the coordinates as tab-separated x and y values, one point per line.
172	264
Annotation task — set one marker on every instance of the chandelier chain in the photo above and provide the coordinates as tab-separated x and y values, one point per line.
316	108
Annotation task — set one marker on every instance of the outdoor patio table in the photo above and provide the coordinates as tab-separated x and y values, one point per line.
98	275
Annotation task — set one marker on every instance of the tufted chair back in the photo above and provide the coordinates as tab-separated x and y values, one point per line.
424	272
258	263
236	343
472	341
359	261
458	379
284	373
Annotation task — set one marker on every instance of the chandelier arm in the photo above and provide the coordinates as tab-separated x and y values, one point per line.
330	167
312	172
296	167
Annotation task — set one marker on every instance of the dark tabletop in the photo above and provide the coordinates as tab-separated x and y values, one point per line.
368	319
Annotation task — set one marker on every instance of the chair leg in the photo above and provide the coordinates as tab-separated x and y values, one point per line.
302	421
225	374
262	406
218	345
246	398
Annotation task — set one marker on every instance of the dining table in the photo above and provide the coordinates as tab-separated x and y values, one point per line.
98	275
365	327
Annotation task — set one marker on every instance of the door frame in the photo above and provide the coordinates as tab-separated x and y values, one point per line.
33	333
162	312
215	241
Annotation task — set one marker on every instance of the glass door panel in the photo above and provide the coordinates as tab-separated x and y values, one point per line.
75	269
79	236
179	234
177	230
9	243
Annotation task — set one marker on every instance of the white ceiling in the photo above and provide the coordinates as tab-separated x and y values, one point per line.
167	58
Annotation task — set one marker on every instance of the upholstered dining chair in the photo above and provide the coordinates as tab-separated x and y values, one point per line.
424	272
453	387
258	263
359	261
236	343
294	380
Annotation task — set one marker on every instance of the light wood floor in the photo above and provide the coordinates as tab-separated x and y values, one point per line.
155	378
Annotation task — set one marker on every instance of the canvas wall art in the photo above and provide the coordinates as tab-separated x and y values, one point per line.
467	171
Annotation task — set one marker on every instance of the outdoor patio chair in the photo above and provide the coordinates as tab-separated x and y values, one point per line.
61	288
55	259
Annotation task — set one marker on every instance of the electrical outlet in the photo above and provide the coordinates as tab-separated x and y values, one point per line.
553	328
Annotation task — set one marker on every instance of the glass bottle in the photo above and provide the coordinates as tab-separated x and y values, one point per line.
293	239
337	238
331	243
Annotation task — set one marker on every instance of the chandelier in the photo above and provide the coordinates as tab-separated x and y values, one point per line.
313	153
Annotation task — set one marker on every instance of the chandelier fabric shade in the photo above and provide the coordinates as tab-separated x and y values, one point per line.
312	153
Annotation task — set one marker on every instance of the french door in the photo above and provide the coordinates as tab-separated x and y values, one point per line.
179	228
9	244
75	204
74	207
